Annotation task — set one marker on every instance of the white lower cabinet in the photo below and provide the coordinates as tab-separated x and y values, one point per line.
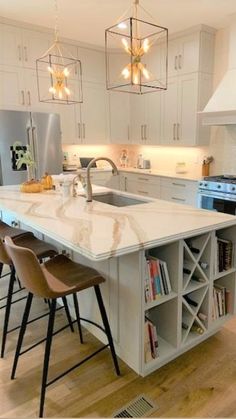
169	189
179	191
145	185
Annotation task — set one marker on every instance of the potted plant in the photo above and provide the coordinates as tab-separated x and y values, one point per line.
25	157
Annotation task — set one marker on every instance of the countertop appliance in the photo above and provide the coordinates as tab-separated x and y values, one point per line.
218	193
84	161
39	130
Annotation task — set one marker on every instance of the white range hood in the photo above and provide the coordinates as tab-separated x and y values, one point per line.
221	108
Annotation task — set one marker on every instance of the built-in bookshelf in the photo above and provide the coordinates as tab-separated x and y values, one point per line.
201	273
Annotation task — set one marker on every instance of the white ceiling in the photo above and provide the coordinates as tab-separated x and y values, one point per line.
85	20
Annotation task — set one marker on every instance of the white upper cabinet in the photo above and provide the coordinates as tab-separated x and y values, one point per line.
34	45
12	94
94	116
146	118
21	47
170	112
93	65
191	53
119	111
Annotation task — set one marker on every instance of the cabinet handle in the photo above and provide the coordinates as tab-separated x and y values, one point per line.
178	199
145	132
174	132
125	184
29	98
180	61
141	132
143	178
22	97
83	130
26	54
176	64
179	184
178	129
19	53
79	130
143	192
128	132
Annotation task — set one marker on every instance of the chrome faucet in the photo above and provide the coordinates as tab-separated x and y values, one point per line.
88	183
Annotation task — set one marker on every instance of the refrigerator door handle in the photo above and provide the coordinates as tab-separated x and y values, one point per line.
35	156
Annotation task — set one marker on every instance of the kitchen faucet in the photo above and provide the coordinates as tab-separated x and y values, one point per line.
88	183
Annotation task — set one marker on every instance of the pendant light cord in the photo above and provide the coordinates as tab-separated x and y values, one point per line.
56	31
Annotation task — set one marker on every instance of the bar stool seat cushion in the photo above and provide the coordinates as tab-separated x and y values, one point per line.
41	248
6	230
65	276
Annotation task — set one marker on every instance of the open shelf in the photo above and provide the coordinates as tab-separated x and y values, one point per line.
165	318
225	248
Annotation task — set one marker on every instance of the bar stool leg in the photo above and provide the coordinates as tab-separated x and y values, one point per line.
8	310
107	327
47	355
68	313
76	305
21	333
1	268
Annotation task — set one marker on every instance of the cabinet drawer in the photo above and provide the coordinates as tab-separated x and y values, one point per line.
142	188
181	196
179	184
142	178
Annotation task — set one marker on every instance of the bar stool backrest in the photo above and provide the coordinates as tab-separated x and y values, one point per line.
28	269
4	258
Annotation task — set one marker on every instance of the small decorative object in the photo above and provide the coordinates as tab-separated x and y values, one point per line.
61	68
25	157
32	186
136	54
181	167
124	158
206	165
47	181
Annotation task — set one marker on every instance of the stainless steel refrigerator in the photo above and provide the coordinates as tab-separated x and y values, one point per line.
42	132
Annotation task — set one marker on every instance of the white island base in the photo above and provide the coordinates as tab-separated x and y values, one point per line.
116	241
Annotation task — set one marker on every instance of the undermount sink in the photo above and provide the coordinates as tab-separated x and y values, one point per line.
116	200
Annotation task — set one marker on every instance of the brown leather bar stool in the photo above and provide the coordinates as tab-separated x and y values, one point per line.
54	279
6	230
42	250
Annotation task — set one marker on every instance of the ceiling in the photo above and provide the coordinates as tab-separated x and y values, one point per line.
85	20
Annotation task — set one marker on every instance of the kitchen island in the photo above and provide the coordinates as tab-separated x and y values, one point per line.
116	241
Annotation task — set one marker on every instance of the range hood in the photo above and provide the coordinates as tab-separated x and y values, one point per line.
221	108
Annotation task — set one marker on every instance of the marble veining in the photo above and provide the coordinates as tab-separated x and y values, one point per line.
100	231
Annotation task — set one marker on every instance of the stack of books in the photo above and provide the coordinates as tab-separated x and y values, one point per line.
150	341
224	258
221	301
157	280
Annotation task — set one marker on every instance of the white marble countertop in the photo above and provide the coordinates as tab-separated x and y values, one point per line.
100	231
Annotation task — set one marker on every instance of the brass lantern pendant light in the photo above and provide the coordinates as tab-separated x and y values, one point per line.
136	54
64	73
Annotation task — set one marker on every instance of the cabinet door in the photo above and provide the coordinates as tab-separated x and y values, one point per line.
94	114
170	114
70	123
138	118
173	52
31	90
10	45
34	45
187	110
93	65
188	56
12	93
153	118
119	112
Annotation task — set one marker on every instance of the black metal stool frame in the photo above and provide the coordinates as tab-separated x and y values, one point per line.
50	334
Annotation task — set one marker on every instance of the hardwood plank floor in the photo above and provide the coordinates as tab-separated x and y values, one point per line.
200	383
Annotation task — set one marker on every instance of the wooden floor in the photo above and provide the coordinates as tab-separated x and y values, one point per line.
201	383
